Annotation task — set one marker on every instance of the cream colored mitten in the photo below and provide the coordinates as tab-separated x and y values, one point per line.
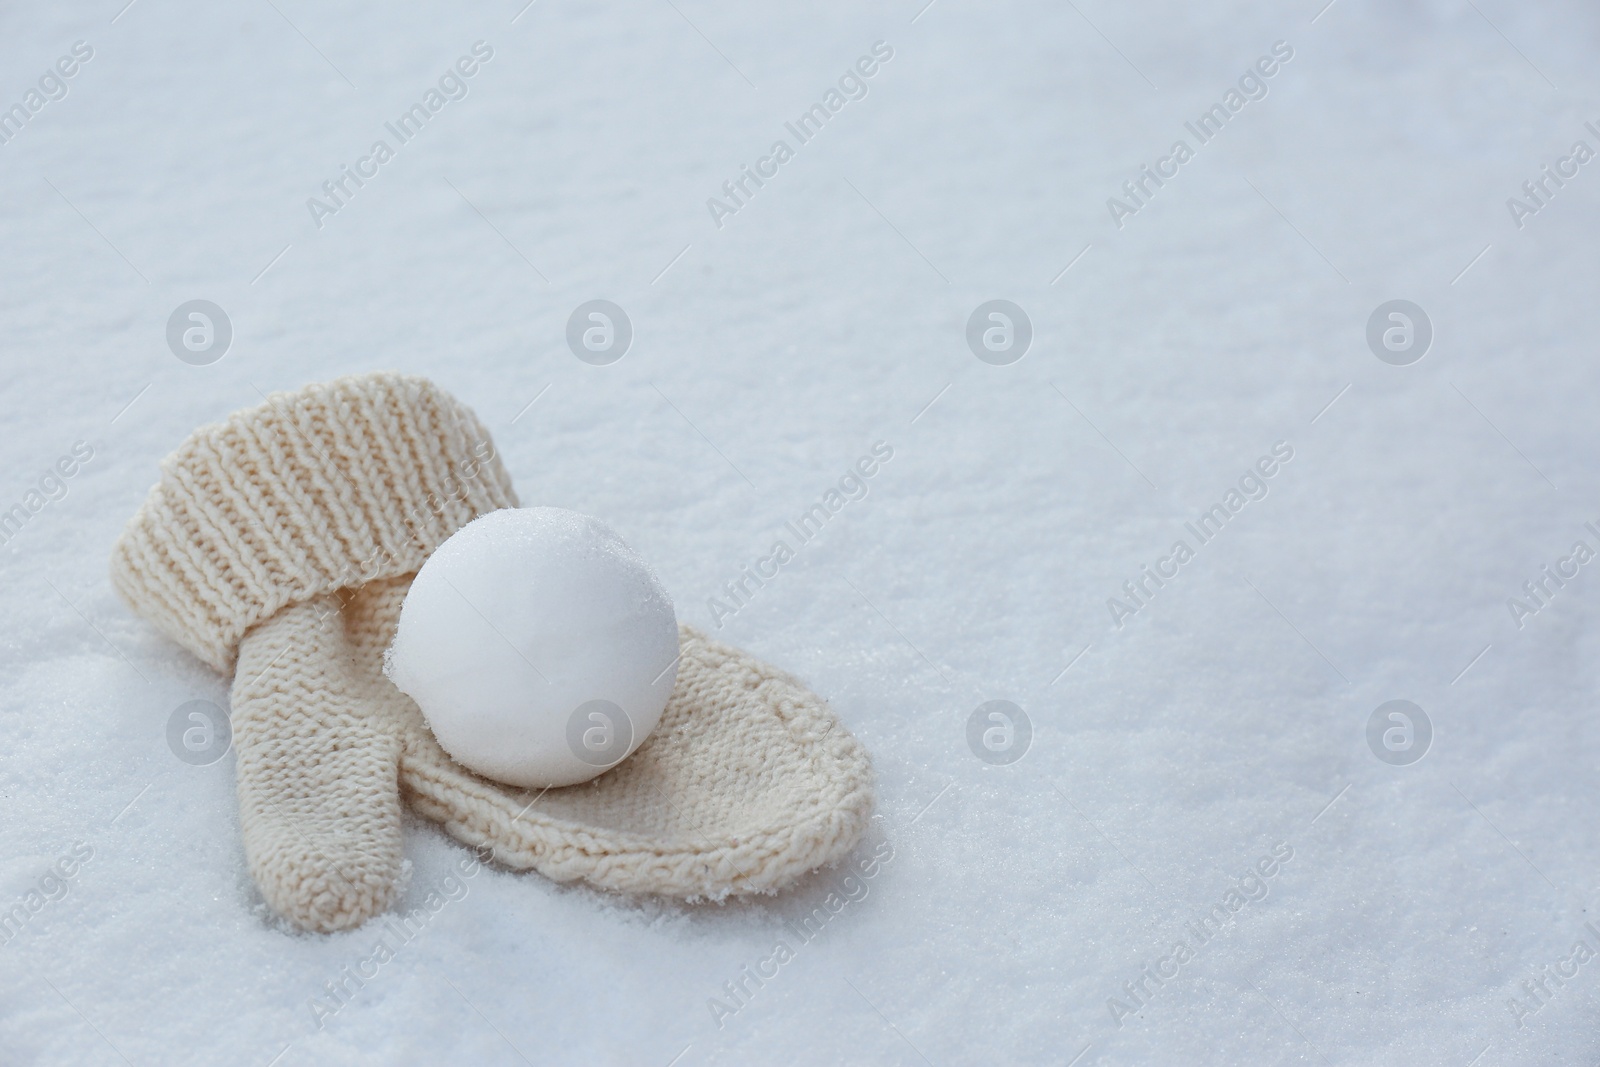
279	545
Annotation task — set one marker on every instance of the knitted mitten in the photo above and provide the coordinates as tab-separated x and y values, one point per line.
318	764
280	545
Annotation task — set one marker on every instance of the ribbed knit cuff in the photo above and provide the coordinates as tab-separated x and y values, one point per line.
317	490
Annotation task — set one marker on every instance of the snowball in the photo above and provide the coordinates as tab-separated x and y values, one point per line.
539	647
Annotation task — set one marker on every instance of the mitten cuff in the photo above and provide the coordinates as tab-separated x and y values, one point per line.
317	490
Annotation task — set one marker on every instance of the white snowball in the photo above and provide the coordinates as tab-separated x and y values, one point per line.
539	647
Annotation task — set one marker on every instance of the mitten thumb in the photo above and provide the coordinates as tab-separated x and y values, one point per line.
318	770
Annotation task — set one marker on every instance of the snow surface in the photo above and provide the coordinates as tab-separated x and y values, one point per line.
1223	720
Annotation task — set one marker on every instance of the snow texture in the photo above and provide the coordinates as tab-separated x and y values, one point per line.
786	338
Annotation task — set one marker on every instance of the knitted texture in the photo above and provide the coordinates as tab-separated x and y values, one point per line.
313	491
285	540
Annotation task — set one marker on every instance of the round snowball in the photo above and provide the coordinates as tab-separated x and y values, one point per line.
540	648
